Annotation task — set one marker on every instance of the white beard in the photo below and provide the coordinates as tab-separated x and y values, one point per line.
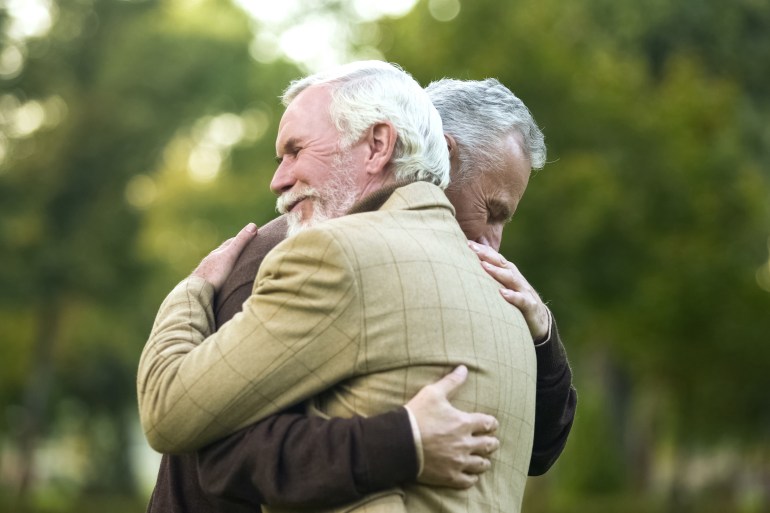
335	198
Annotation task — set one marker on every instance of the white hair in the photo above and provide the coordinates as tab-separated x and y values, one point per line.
367	92
479	114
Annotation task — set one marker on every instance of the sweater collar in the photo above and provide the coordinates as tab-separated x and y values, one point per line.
403	196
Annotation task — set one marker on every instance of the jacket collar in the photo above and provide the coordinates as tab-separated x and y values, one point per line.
403	196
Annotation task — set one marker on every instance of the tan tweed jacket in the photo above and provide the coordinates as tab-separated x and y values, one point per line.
353	316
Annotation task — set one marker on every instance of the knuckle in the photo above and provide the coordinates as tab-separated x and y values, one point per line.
463	482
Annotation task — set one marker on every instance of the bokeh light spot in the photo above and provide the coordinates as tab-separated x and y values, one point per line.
141	191
444	10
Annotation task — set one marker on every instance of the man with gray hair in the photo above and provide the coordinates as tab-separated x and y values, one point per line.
363	294
494	144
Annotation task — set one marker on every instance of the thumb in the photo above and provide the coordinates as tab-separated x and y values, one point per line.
450	383
242	239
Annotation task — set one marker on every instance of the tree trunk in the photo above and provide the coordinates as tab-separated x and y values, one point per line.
36	393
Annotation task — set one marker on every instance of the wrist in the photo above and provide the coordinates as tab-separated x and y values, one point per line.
546	337
417	441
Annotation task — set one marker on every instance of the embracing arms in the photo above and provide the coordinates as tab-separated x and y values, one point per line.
556	398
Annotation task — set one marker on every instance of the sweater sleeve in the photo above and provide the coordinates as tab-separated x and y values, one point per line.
296	460
555	404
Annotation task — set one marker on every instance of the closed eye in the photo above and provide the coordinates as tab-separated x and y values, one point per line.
498	212
292	153
290	148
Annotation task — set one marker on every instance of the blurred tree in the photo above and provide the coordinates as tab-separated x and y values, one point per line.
648	225
87	123
135	135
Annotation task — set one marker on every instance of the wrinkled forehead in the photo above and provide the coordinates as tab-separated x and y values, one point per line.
306	118
507	181
311	104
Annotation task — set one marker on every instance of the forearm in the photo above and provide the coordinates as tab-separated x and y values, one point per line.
297	335
181	325
296	460
555	403
195	387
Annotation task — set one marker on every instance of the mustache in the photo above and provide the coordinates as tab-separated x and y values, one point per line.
288	199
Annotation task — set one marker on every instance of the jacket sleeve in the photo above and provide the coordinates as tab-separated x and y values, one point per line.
555	402
297	335
296	460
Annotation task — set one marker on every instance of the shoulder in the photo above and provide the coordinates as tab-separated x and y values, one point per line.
308	252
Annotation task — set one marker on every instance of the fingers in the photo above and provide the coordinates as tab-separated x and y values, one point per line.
523	302
499	268
516	289
481	423
449	384
463	481
509	277
218	264
238	242
487	254
244	236
477	465
224	244
483	445
473	467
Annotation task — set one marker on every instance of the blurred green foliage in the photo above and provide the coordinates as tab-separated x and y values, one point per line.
136	135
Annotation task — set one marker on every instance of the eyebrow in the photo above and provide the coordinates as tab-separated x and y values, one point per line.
289	145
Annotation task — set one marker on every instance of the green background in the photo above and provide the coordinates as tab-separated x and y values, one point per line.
136	135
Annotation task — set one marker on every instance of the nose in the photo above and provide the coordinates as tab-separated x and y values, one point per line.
283	180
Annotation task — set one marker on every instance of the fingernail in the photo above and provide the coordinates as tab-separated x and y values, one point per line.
473	246
251	227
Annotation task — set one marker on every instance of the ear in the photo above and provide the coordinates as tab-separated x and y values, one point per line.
451	145
454	162
381	141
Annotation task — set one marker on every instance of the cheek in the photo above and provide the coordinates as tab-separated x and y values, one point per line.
313	170
473	228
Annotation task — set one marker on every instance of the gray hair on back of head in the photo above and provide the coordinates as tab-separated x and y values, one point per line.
479	114
367	92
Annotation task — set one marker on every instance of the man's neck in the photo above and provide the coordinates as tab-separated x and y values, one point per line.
374	200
